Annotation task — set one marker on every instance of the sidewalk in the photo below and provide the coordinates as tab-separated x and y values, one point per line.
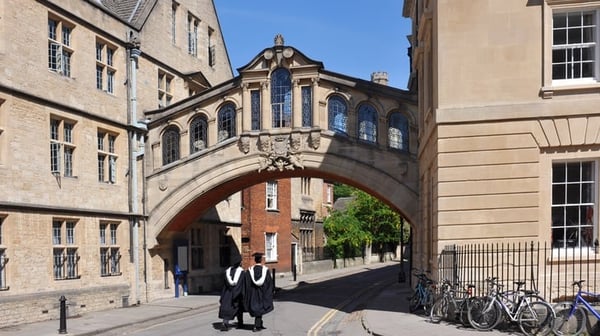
385	315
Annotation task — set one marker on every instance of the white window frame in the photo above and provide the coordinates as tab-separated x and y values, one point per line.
105	71
271	246
271	195
564	215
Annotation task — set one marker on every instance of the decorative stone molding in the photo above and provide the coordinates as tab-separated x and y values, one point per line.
244	143
315	138
280	152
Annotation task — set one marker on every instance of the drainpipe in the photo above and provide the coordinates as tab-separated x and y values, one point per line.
133	54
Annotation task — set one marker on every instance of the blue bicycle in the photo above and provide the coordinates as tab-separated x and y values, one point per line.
423	294
571	317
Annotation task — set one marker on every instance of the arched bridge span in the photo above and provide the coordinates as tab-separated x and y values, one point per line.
179	194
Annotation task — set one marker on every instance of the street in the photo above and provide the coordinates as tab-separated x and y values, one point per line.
326	308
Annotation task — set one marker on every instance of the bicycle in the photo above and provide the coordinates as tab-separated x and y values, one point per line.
571	317
423	293
524	307
448	307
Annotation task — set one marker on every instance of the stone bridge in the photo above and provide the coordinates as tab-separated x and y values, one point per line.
283	116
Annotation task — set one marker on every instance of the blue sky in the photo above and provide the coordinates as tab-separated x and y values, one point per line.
351	37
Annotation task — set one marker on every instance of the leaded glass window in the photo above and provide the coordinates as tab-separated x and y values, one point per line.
226	122
198	134
307	106
255	113
170	145
367	123
281	98
398	131
337	111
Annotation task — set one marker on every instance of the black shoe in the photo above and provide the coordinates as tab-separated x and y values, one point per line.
240	325
256	329
224	327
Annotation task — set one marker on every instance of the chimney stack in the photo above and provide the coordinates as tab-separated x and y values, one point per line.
380	77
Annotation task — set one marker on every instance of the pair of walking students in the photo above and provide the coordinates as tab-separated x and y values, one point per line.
249	291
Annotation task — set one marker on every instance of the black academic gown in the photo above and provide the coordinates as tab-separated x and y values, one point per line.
231	300
258	293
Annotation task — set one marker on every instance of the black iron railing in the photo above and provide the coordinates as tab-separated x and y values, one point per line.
551	271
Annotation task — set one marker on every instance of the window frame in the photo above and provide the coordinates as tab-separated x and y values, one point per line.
3	259
60	51
198	134
62	137
368	118
110	250
165	91
281	98
226	122
271	198
170	144
271	247
337	114
574	196
65	257
398	132
107	158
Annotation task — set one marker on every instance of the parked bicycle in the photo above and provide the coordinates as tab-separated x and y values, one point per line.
533	315
571	317
423	294
452	304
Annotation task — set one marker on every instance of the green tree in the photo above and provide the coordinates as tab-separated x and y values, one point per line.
365	221
376	218
345	235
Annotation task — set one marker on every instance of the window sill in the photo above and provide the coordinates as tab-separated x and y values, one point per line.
272	210
3	289
547	92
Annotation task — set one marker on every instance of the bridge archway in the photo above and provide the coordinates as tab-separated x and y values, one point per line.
185	191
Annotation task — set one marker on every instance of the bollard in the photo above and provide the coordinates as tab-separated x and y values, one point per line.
62	329
274	287
294	271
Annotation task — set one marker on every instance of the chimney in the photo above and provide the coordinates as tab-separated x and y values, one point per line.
379	77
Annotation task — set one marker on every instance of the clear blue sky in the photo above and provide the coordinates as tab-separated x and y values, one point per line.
351	37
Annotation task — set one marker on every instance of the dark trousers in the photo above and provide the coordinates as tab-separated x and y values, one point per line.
258	322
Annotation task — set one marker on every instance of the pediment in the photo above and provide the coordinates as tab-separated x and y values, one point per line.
279	55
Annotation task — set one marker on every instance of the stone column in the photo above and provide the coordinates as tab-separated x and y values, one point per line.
296	104
265	106
316	120
246	108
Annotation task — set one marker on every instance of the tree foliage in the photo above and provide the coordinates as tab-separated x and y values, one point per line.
366	220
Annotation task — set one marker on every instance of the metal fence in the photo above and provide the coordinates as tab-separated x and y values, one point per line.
551	271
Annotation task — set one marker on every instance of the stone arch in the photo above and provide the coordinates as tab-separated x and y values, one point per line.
182	200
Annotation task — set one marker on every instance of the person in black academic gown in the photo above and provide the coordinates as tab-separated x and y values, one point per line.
258	293
231	300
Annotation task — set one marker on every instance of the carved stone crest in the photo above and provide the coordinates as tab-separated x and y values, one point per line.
277	154
244	144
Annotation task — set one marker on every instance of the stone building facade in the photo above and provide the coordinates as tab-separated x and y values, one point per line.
74	83
508	122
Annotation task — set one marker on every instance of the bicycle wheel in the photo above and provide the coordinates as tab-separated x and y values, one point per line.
566	324
414	302
483	314
428	302
439	310
537	318
463	314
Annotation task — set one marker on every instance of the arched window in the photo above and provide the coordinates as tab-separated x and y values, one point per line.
226	120
281	98
398	131
198	134
170	145
337	111
367	123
